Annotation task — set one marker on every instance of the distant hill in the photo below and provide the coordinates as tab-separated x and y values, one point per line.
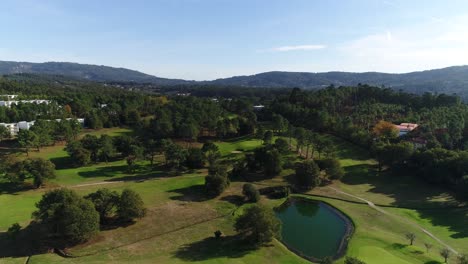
84	71
447	80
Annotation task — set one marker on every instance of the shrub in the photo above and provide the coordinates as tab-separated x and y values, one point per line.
130	206
251	193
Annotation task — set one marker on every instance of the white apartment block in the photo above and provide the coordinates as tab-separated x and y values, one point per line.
14	128
9	96
10	103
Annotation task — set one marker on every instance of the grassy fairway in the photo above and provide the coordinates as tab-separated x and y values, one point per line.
181	221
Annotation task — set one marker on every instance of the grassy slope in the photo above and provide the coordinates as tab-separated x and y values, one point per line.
173	203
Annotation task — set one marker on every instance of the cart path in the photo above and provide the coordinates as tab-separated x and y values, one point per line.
373	206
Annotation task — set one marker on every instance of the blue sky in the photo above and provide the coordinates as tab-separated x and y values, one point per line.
208	39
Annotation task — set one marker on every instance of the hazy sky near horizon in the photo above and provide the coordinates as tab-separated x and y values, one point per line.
208	39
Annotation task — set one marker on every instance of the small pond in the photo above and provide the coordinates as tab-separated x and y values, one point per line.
313	229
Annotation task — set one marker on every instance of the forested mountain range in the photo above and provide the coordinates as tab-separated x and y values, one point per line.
447	80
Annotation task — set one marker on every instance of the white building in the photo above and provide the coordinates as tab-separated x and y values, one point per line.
25	124
10	103
9	96
258	107
13	128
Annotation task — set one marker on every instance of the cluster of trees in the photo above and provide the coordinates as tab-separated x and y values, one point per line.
37	169
77	219
45	133
310	173
189	117
100	105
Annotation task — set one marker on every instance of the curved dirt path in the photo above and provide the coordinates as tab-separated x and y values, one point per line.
373	206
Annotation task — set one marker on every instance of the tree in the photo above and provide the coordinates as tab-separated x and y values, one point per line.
282	145
258	224
175	155
267	137
152	147
211	153
105	202
13	230
79	155
68	215
107	148
4	133
411	237
462	259
428	247
41	170
195	159
28	139
130	206
352	260
385	130
300	134
279	123
273	163
445	253
307	174
260	133
250	192
216	181
93	145
332	168
136	153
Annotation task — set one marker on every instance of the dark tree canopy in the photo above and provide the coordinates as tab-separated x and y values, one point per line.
258	224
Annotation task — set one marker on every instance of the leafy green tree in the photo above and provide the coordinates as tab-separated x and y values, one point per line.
258	224
93	145
279	123
307	174
282	145
332	168
195	159
411	237
44	131
68	215
79	155
28	139
107	149
250	192
105	202
260	133
130	206
300	134
216	181
462	259
268	137
272	165
211	153
4	133
445	253
152	148
175	155
40	170
136	153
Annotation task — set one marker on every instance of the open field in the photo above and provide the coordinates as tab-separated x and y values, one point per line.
181	220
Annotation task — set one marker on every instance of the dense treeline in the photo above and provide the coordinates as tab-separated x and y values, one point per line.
434	151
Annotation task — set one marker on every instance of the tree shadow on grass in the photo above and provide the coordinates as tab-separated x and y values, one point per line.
211	247
31	240
12	188
194	193
62	162
234	199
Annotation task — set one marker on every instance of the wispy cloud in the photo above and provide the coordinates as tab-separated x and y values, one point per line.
295	48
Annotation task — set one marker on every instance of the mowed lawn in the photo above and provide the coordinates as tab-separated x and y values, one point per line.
379	235
179	227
